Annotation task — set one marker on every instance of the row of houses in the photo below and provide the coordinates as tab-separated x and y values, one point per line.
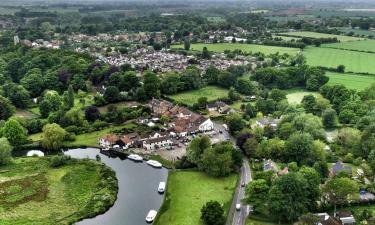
164	61
182	123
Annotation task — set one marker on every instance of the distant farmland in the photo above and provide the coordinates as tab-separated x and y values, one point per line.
358	62
221	47
365	45
351	81
321	35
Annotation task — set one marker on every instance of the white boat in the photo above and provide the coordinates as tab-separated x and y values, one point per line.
151	216
161	187
135	157
154	163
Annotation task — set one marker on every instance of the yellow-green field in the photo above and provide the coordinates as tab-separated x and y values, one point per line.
365	45
357	62
221	47
188	191
321	35
351	81
295	96
191	97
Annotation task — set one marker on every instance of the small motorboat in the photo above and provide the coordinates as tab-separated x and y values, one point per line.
135	157
161	187
151	216
154	163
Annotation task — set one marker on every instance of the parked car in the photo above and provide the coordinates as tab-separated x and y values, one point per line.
238	207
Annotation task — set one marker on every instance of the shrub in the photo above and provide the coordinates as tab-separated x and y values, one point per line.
59	160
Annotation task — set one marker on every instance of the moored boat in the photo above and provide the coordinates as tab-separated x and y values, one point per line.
154	163
135	157
151	216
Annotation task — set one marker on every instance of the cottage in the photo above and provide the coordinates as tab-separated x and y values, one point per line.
265	122
269	165
108	140
346	218
338	167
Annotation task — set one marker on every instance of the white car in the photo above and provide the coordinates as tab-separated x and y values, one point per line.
238	207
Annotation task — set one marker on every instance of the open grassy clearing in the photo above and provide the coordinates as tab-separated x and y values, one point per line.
356	31
190	97
32	192
88	139
188	191
216	19
321	35
221	47
357	62
365	45
351	81
295	96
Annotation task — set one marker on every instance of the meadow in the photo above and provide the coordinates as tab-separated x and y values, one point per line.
356	31
221	47
351	81
365	45
190	97
295	95
357	62
187	193
321	35
31	192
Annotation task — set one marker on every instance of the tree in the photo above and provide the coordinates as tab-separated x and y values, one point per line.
17	94
233	95
70	98
340	69
338	190
5	151
309	102
245	87
235	123
33	82
329	118
6	108
212	213
205	53
112	94
257	193
211	75
53	136
191	78
51	102
250	110
187	44
171	83
287	197
309	219
277	95
92	113
14	132
350	140
196	148
313	190
218	161
299	148
151	84
250	147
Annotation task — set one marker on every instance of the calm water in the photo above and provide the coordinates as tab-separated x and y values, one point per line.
138	184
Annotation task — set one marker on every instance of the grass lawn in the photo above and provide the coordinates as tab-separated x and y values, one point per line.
221	47
365	45
31	192
357	62
191	97
87	139
352	81
26	114
321	35
296	95
188	191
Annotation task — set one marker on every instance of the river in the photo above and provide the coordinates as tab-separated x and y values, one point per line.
138	184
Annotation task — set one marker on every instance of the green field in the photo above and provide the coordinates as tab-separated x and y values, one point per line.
356	31
191	97
285	38
188	191
221	47
31	192
321	35
365	45
351	81
357	62
216	19
295	96
87	139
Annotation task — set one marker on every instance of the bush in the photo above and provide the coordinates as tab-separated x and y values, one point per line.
59	160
